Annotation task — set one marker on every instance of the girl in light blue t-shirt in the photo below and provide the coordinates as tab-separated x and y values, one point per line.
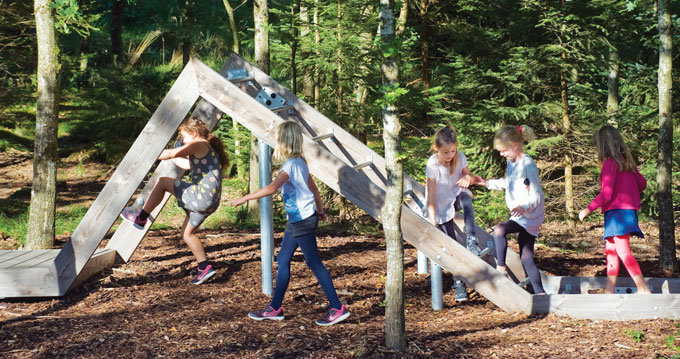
304	208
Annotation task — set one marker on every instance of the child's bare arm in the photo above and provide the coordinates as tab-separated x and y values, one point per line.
183	151
182	163
467	179
431	195
264	191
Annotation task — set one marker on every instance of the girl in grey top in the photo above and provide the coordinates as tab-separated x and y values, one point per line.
524	198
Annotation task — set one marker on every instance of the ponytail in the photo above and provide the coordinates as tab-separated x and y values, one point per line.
218	146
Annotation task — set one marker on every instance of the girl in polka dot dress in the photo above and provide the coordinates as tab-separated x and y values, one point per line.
202	153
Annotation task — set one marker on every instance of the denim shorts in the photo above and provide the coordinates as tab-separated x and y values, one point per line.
304	227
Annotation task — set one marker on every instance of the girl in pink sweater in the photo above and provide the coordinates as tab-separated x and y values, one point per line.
619	199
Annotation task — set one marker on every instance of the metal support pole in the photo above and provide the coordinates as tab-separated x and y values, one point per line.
436	285
266	219
422	263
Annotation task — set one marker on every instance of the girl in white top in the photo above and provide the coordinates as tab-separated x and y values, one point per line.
448	178
524	198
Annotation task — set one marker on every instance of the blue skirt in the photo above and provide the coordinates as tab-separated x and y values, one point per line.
618	222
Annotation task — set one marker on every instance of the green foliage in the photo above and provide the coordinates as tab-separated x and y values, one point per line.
634	334
70	18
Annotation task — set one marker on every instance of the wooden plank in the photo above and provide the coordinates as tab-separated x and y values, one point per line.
41	259
127	177
6	254
25	257
609	306
359	189
349	149
102	259
9	255
127	238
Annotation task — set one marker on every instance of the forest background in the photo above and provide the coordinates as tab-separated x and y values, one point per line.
565	68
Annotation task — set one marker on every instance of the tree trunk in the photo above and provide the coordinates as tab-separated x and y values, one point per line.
186	36
403	17
295	9
84	50
391	212
568	159
425	58
664	161
317	72
261	16
234	29
40	232
117	29
236	47
358	127
613	93
307	77
340	91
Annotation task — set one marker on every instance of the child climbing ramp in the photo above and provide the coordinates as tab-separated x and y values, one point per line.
448	179
304	208
524	198
202	153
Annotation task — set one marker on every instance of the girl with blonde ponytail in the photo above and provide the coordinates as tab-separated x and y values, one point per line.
524	198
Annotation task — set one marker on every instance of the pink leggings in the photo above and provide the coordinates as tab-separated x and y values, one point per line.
616	247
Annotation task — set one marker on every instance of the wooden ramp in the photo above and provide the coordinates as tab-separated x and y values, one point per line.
336	158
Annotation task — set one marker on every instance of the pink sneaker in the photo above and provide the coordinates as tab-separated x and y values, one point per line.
267	313
204	275
334	316
132	215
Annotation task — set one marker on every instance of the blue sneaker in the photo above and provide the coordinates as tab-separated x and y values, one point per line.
334	316
267	313
204	275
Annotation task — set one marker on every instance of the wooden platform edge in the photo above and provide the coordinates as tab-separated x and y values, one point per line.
609	306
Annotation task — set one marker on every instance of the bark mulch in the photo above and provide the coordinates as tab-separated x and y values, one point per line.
147	308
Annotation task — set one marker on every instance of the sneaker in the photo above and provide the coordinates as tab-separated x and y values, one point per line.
132	215
204	275
471	244
334	316
267	313
461	291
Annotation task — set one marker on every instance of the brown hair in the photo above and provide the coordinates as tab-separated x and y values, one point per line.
193	124
509	134
610	144
446	136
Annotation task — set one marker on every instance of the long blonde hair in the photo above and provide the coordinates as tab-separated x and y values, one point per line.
509	134
288	142
193	124
446	136
610	144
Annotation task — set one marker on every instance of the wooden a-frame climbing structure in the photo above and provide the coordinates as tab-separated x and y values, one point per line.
337	159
